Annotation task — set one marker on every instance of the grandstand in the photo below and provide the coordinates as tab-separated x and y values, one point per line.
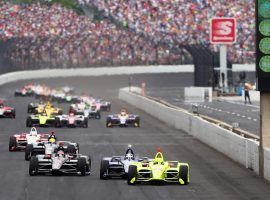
40	34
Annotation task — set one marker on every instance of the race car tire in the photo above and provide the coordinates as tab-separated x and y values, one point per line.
12	143
98	115
81	166
137	122
104	165
85	123
33	166
13	113
28	152
132	173
71	149
108	122
57	123
28	122
88	165
30	109
183	173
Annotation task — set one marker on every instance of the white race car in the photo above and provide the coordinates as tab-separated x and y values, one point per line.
60	163
117	166
20	141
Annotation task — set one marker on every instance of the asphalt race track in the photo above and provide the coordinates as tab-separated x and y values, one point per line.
248	116
213	176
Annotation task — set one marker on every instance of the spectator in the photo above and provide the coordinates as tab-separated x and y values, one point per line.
186	21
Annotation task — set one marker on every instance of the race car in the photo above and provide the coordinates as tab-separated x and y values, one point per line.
103	105
61	97
6	111
158	170
32	107
49	109
117	166
49	148
42	119
89	111
20	141
71	120
60	163
123	119
24	91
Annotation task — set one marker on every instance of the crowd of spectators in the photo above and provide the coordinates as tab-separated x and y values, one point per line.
150	31
185	21
56	36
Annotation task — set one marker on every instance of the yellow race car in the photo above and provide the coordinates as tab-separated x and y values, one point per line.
49	109
158	170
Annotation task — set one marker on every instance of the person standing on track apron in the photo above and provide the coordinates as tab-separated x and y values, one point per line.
246	90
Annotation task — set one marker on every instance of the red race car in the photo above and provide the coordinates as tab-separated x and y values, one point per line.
20	141
6	111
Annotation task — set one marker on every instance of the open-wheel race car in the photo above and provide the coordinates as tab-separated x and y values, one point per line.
71	120
24	91
48	148
20	141
6	111
48	108
60	163
117	166
158	170
103	105
42	120
123	119
89	111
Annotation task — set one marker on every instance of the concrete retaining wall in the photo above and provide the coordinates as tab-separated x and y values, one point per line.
240	149
267	163
101	71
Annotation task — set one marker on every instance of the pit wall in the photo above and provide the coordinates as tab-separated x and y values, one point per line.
242	150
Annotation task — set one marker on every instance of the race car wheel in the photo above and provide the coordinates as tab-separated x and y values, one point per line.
137	122
98	116
33	166
29	109
108	123
132	174
12	143
71	149
57	123
81	166
183	173
28	152
88	165
85	123
13	114
28	122
104	165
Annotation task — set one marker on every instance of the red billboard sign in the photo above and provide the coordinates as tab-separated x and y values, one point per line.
223	30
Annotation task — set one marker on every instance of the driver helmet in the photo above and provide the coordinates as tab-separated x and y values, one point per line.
49	105
71	113
33	132
129	156
52	140
123	112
